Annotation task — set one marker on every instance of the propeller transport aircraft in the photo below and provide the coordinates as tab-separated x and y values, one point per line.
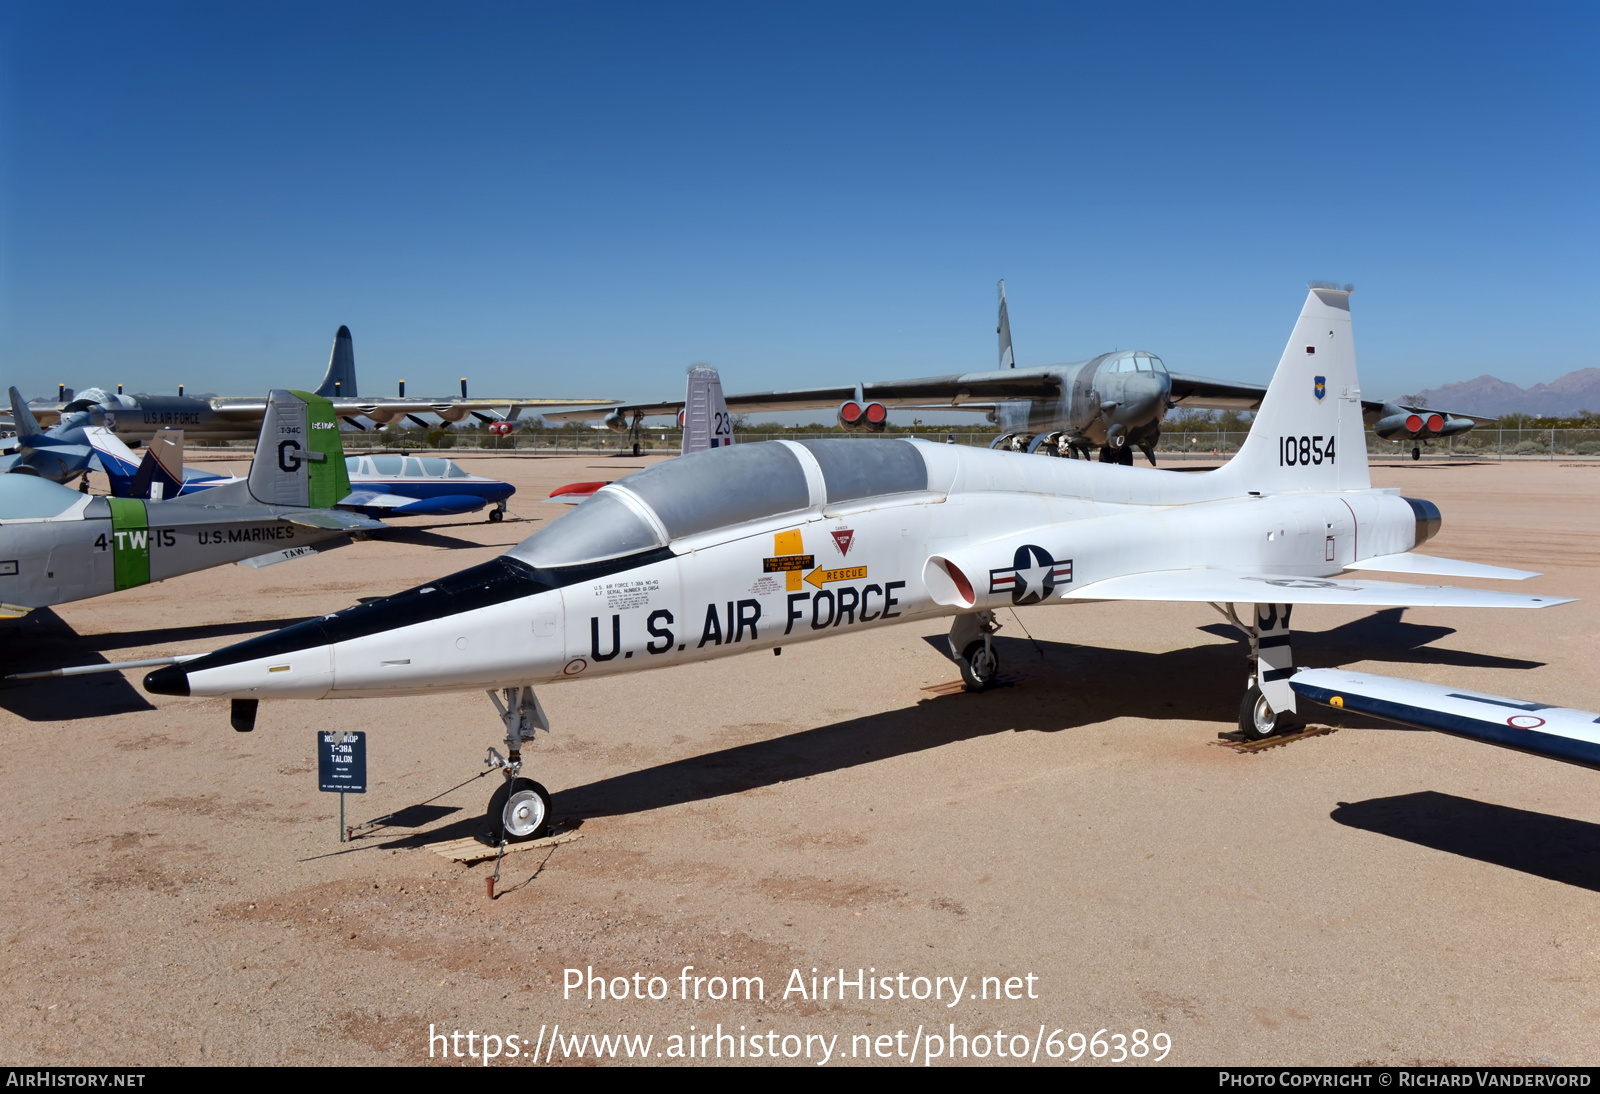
57	545
762	545
140	417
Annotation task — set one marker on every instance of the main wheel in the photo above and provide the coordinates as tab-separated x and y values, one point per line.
1125	456
980	665
1257	719
635	448
519	810
1416	452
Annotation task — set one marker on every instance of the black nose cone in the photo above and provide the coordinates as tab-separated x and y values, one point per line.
171	680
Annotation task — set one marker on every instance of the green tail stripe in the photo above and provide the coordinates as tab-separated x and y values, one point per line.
130	542
330	480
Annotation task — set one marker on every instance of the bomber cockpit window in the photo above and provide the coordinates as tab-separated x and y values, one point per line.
602	527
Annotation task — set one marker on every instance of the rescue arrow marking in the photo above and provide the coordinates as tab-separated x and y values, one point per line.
849	573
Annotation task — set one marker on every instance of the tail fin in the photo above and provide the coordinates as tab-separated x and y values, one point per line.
705	415
22	418
299	457
1007	358
340	382
116	460
1308	434
160	473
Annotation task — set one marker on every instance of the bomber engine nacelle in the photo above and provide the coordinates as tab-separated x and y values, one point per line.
1420	424
617	422
870	416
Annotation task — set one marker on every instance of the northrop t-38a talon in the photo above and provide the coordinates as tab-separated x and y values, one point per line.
765	545
57	545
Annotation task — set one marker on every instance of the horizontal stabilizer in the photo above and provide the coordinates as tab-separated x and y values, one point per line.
333	520
1226	586
1560	733
1409	563
272	558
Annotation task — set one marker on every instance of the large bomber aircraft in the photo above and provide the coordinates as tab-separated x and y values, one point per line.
1115	402
763	545
139	417
57	545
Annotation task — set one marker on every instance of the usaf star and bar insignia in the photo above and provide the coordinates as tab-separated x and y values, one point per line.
1032	576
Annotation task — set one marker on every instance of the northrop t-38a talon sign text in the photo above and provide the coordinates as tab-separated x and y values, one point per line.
762	545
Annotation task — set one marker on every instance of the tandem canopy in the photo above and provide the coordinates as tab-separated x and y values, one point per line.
721	488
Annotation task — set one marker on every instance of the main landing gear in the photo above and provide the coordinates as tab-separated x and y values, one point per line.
1416	452
520	809
972	647
1268	706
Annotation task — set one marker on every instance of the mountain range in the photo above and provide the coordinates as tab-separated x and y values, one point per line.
1492	397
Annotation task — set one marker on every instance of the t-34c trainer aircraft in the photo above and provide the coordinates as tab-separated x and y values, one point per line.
57	545
767	544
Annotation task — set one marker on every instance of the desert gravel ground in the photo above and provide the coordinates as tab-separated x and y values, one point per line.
175	892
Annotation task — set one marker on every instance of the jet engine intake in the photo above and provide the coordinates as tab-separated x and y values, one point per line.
617	422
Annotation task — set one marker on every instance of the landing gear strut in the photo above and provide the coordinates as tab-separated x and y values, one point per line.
972	647
1268	706
520	809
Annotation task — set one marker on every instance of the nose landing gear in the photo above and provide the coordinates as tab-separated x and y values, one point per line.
520	809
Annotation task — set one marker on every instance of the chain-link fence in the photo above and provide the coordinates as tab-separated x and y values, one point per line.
1191	444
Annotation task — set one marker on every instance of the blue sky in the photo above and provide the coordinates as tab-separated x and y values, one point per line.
583	199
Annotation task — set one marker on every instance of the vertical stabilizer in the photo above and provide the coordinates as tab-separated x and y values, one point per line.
160	474
22	418
705	415
1003	329
1308	434
299	457
340	382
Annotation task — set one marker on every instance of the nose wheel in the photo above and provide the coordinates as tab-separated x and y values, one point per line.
519	810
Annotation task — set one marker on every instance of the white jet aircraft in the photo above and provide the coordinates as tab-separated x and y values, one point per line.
762	545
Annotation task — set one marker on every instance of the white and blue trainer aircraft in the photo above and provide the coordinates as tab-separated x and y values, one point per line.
768	544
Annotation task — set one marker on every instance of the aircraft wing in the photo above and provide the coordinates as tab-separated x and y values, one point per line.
250	410
968	391
1203	393
1230	586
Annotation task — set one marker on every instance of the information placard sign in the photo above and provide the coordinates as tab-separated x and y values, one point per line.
342	761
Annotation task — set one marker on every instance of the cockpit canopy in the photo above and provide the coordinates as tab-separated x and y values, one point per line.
416	467
720	488
1133	361
28	497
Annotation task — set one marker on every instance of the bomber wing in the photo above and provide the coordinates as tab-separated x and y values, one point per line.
1203	393
969	390
1231	586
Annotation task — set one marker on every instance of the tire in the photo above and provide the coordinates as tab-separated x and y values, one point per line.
497	515
1258	721
980	666
1416	453
636	448
1125	455
519	811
